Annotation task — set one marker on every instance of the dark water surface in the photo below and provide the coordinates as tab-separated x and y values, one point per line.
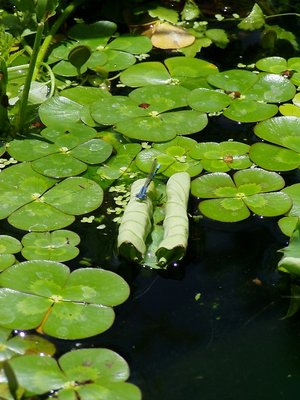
229	344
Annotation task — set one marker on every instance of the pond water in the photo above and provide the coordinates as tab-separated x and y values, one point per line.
212	327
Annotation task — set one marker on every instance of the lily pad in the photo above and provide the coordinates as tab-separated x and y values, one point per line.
17	345
284	132
30	205
59	245
60	111
140	116
45	295
208	100
250	94
85	373
233	199
289	223
104	55
67	156
173	156
8	247
186	71
278	65
274	158
222	157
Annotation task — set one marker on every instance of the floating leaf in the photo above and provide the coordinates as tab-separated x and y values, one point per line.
290	262
56	246
232	198
12	346
274	158
68	305
67	156
187	71
222	157
173	156
288	224
87	373
141	117
250	92
8	247
60	111
208	100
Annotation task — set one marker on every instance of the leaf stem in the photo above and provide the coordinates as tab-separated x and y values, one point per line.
54	28
29	77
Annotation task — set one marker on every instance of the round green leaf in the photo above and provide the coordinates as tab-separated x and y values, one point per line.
39	217
222	157
160	97
207	100
146	73
56	246
31	149
224	210
93	35
294	192
76	320
9	244
30	344
233	80
21	310
37	374
98	365
117	108
289	110
64	305
207	186
95	151
39	277
189	67
288	225
283	131
131	44
271	88
153	128
273	157
66	69
163	127
68	134
117	60
60	111
6	260
59	165
269	204
266	180
250	111
84	95
272	64
75	196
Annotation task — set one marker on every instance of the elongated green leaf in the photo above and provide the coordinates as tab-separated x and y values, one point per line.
176	224
136	223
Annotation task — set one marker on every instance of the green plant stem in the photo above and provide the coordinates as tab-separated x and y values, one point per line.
54	28
24	98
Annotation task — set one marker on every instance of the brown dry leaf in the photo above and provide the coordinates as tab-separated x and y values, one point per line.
167	36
